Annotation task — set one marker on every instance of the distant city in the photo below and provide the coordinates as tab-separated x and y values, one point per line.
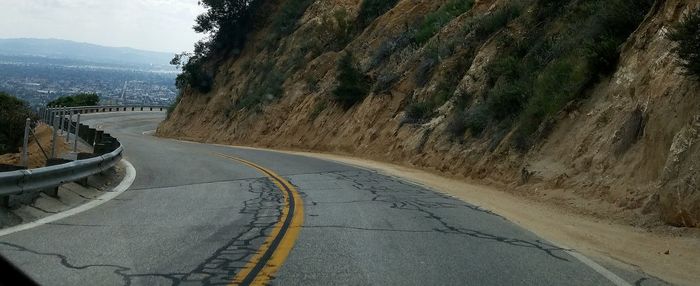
39	77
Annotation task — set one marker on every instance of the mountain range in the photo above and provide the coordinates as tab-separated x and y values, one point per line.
64	49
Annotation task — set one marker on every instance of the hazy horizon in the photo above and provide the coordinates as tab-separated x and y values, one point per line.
151	25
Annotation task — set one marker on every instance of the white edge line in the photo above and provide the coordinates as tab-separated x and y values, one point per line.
614	278
118	190
617	280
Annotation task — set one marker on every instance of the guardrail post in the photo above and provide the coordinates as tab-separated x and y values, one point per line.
60	120
77	124
55	134
90	136
68	127
25	143
98	136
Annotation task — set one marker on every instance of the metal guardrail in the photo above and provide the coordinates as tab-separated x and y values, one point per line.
108	152
48	113
17	182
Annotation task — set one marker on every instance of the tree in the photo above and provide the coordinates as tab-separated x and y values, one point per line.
686	34
13	114
226	24
352	84
79	99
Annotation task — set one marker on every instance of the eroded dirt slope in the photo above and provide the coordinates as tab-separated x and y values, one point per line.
628	150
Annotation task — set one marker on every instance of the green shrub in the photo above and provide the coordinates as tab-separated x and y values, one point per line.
476	120
508	98
13	114
686	34
80	99
551	65
419	111
371	9
434	21
353	86
285	22
558	84
491	23
609	27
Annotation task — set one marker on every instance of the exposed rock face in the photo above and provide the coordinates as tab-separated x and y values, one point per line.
680	183
630	145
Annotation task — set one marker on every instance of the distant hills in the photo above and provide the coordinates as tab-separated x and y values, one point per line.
63	49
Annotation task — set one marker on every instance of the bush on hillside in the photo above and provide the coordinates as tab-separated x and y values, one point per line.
434	21
353	86
491	23
371	9
13	114
686	34
286	21
419	111
80	99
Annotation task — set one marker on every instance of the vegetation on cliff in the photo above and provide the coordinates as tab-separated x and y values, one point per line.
558	90
13	115
687	36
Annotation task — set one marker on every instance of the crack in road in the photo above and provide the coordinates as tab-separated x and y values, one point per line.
265	209
397	194
219	268
228	260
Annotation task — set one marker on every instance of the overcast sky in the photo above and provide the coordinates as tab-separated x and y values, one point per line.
157	25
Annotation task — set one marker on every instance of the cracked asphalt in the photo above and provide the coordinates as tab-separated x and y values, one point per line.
194	218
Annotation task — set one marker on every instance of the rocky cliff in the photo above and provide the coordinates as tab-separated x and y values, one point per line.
542	97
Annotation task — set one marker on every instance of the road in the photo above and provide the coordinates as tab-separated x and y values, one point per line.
205	214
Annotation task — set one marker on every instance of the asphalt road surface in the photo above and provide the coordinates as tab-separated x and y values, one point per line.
204	214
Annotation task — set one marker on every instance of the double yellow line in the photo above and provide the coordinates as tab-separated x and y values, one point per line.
277	246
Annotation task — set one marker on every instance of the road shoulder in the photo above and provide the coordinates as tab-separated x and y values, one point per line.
73	199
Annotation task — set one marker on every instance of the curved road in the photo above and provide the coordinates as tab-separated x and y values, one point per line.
204	214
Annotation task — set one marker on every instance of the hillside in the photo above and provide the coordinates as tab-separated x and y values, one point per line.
580	103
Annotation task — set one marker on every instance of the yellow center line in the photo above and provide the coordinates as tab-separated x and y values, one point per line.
268	259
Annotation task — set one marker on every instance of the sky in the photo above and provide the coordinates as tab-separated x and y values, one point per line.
155	25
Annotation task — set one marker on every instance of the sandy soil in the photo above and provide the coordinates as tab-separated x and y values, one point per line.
673	256
36	157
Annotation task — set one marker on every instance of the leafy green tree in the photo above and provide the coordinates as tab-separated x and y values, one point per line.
687	36
13	113
80	99
226	24
352	84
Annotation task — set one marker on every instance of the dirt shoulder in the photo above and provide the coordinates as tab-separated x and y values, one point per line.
671	256
37	158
